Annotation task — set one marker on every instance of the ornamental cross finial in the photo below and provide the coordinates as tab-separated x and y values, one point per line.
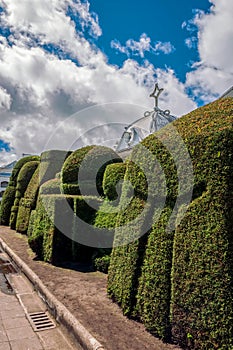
157	91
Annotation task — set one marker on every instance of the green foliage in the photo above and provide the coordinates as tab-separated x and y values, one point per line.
51	187
28	203
126	258
186	274
51	163
70	189
31	222
154	291
70	168
6	204
85	236
18	166
55	234
114	173
202	298
85	167
53	219
101	264
25	176
23	179
7	197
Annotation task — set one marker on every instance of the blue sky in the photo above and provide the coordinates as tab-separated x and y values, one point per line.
160	20
68	66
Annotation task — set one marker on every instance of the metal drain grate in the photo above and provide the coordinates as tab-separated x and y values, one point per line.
40	321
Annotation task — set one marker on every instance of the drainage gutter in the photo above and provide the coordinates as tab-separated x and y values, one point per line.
58	310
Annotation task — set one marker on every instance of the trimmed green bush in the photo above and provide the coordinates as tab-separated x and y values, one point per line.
51	187
28	203
85	236
69	173
24	176
85	167
56	234
18	166
114	173
136	220
70	189
101	264
31	222
154	289
51	163
202	298
48	241
6	204
182	280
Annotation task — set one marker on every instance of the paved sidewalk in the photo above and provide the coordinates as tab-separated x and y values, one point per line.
16	332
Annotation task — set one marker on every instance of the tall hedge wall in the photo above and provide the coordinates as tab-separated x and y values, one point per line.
7	200
181	281
113	176
56	235
51	163
92	160
18	166
23	179
28	202
202	298
126	261
6	204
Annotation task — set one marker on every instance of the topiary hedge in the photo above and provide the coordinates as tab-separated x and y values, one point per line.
28	202
182	280
113	175
85	168
24	177
154	287
202	298
56	235
136	220
69	173
51	187
51	163
6	204
18	166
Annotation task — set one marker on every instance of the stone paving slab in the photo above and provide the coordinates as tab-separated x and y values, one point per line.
16	332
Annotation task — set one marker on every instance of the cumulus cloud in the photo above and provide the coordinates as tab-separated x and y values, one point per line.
138	48
214	72
5	100
41	87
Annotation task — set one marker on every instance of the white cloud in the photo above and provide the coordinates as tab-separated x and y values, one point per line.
214	73
138	48
5	100
191	42
40	89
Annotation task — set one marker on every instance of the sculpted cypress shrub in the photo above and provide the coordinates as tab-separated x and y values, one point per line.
132	226
28	202
24	177
8	200
202	298
54	217
113	179
51	163
181	279
83	171
51	187
6	204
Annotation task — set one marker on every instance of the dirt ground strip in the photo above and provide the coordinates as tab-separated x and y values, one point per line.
84	294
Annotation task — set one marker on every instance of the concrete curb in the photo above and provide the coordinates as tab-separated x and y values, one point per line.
59	311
